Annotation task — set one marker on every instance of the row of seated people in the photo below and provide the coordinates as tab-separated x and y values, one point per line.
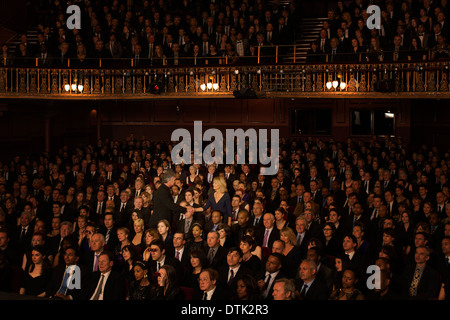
217	24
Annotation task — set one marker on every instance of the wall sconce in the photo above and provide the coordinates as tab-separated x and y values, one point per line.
73	88
336	85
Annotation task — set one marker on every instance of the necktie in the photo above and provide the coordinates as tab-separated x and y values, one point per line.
299	239
256	222
100	289
158	266
210	255
266	285
231	277
108	234
177	255
305	286
99	208
266	236
205	296
188	224
22	235
63	288
123	207
95	262
414	283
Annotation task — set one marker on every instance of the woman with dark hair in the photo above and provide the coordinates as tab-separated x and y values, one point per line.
247	289
225	235
405	230
149	235
37	275
257	251
416	52
348	291
140	286
281	218
197	263
195	239
167	287
340	264
331	245
362	246
249	260
130	256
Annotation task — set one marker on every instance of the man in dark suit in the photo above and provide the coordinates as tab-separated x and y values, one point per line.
271	272
215	253
302	235
123	209
323	41
24	233
181	252
208	288
159	258
106	283
232	271
308	285
58	286
238	229
324	273
91	258
213	223
420	280
256	220
355	260
184	225
396	52
335	53
266	236
109	230
163	204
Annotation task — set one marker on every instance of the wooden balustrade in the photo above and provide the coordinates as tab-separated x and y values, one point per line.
404	80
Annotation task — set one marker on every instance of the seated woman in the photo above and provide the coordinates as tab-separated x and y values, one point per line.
165	235
123	237
247	289
291	251
257	250
196	264
225	235
281	218
138	239
249	260
149	235
331	245
37	276
140	286
196	240
130	256
167	287
348	290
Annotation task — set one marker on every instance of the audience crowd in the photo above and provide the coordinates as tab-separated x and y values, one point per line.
131	224
156	33
411	30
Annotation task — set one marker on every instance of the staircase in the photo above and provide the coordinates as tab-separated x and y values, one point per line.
310	32
31	36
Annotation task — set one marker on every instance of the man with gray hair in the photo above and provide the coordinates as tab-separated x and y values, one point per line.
164	207
283	289
308	286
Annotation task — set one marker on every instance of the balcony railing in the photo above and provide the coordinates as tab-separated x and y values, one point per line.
405	79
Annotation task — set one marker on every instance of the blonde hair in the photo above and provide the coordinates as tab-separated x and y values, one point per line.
288	232
139	221
222	184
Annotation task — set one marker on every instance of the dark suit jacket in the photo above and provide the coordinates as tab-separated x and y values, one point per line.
219	294
318	290
274	235
429	283
164	207
57	278
114	288
326	275
262	276
223	278
113	241
169	260
220	259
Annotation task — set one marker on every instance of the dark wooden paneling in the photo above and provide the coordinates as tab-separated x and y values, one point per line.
112	111
196	110
165	111
139	112
260	110
228	110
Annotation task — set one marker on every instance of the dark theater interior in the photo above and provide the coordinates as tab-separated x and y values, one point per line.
98	201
